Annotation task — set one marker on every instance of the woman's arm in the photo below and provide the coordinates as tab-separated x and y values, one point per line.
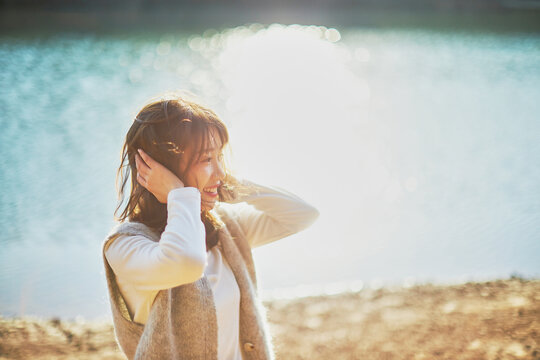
269	213
178	258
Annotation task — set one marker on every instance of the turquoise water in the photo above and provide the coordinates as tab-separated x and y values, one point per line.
420	149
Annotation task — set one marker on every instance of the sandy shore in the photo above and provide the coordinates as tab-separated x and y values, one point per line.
490	320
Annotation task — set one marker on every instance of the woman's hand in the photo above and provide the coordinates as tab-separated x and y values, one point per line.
155	177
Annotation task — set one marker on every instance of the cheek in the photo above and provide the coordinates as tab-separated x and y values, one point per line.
206	175
201	176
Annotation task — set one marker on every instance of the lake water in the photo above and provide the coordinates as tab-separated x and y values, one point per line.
420	148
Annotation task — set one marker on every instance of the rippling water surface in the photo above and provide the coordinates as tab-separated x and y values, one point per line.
420	149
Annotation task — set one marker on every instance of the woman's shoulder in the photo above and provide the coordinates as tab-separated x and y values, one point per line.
130	228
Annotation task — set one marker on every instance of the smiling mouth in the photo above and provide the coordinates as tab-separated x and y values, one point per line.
211	191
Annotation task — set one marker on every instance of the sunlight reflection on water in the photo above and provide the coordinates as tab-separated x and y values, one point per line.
418	148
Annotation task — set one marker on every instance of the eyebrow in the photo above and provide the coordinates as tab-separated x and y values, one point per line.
207	150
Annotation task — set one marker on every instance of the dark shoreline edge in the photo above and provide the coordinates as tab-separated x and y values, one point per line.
223	16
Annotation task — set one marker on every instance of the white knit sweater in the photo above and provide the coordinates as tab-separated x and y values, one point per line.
144	267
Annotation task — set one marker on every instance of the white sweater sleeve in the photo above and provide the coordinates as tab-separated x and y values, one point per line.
269	213
178	258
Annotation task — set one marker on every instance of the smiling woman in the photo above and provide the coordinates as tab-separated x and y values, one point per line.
166	136
179	262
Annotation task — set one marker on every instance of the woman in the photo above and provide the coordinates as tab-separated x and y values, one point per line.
179	267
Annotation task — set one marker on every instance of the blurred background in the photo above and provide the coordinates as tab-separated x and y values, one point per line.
413	126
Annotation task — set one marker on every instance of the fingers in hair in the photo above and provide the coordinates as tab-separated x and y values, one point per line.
142	167
146	158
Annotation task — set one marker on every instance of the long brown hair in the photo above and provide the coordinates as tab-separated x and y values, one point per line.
165	128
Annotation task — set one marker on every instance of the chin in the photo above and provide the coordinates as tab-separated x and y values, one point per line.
208	207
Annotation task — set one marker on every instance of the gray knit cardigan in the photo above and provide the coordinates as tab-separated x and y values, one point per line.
182	323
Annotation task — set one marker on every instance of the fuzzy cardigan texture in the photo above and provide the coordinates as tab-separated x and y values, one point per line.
182	323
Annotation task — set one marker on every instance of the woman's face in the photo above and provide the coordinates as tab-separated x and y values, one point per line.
207	172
